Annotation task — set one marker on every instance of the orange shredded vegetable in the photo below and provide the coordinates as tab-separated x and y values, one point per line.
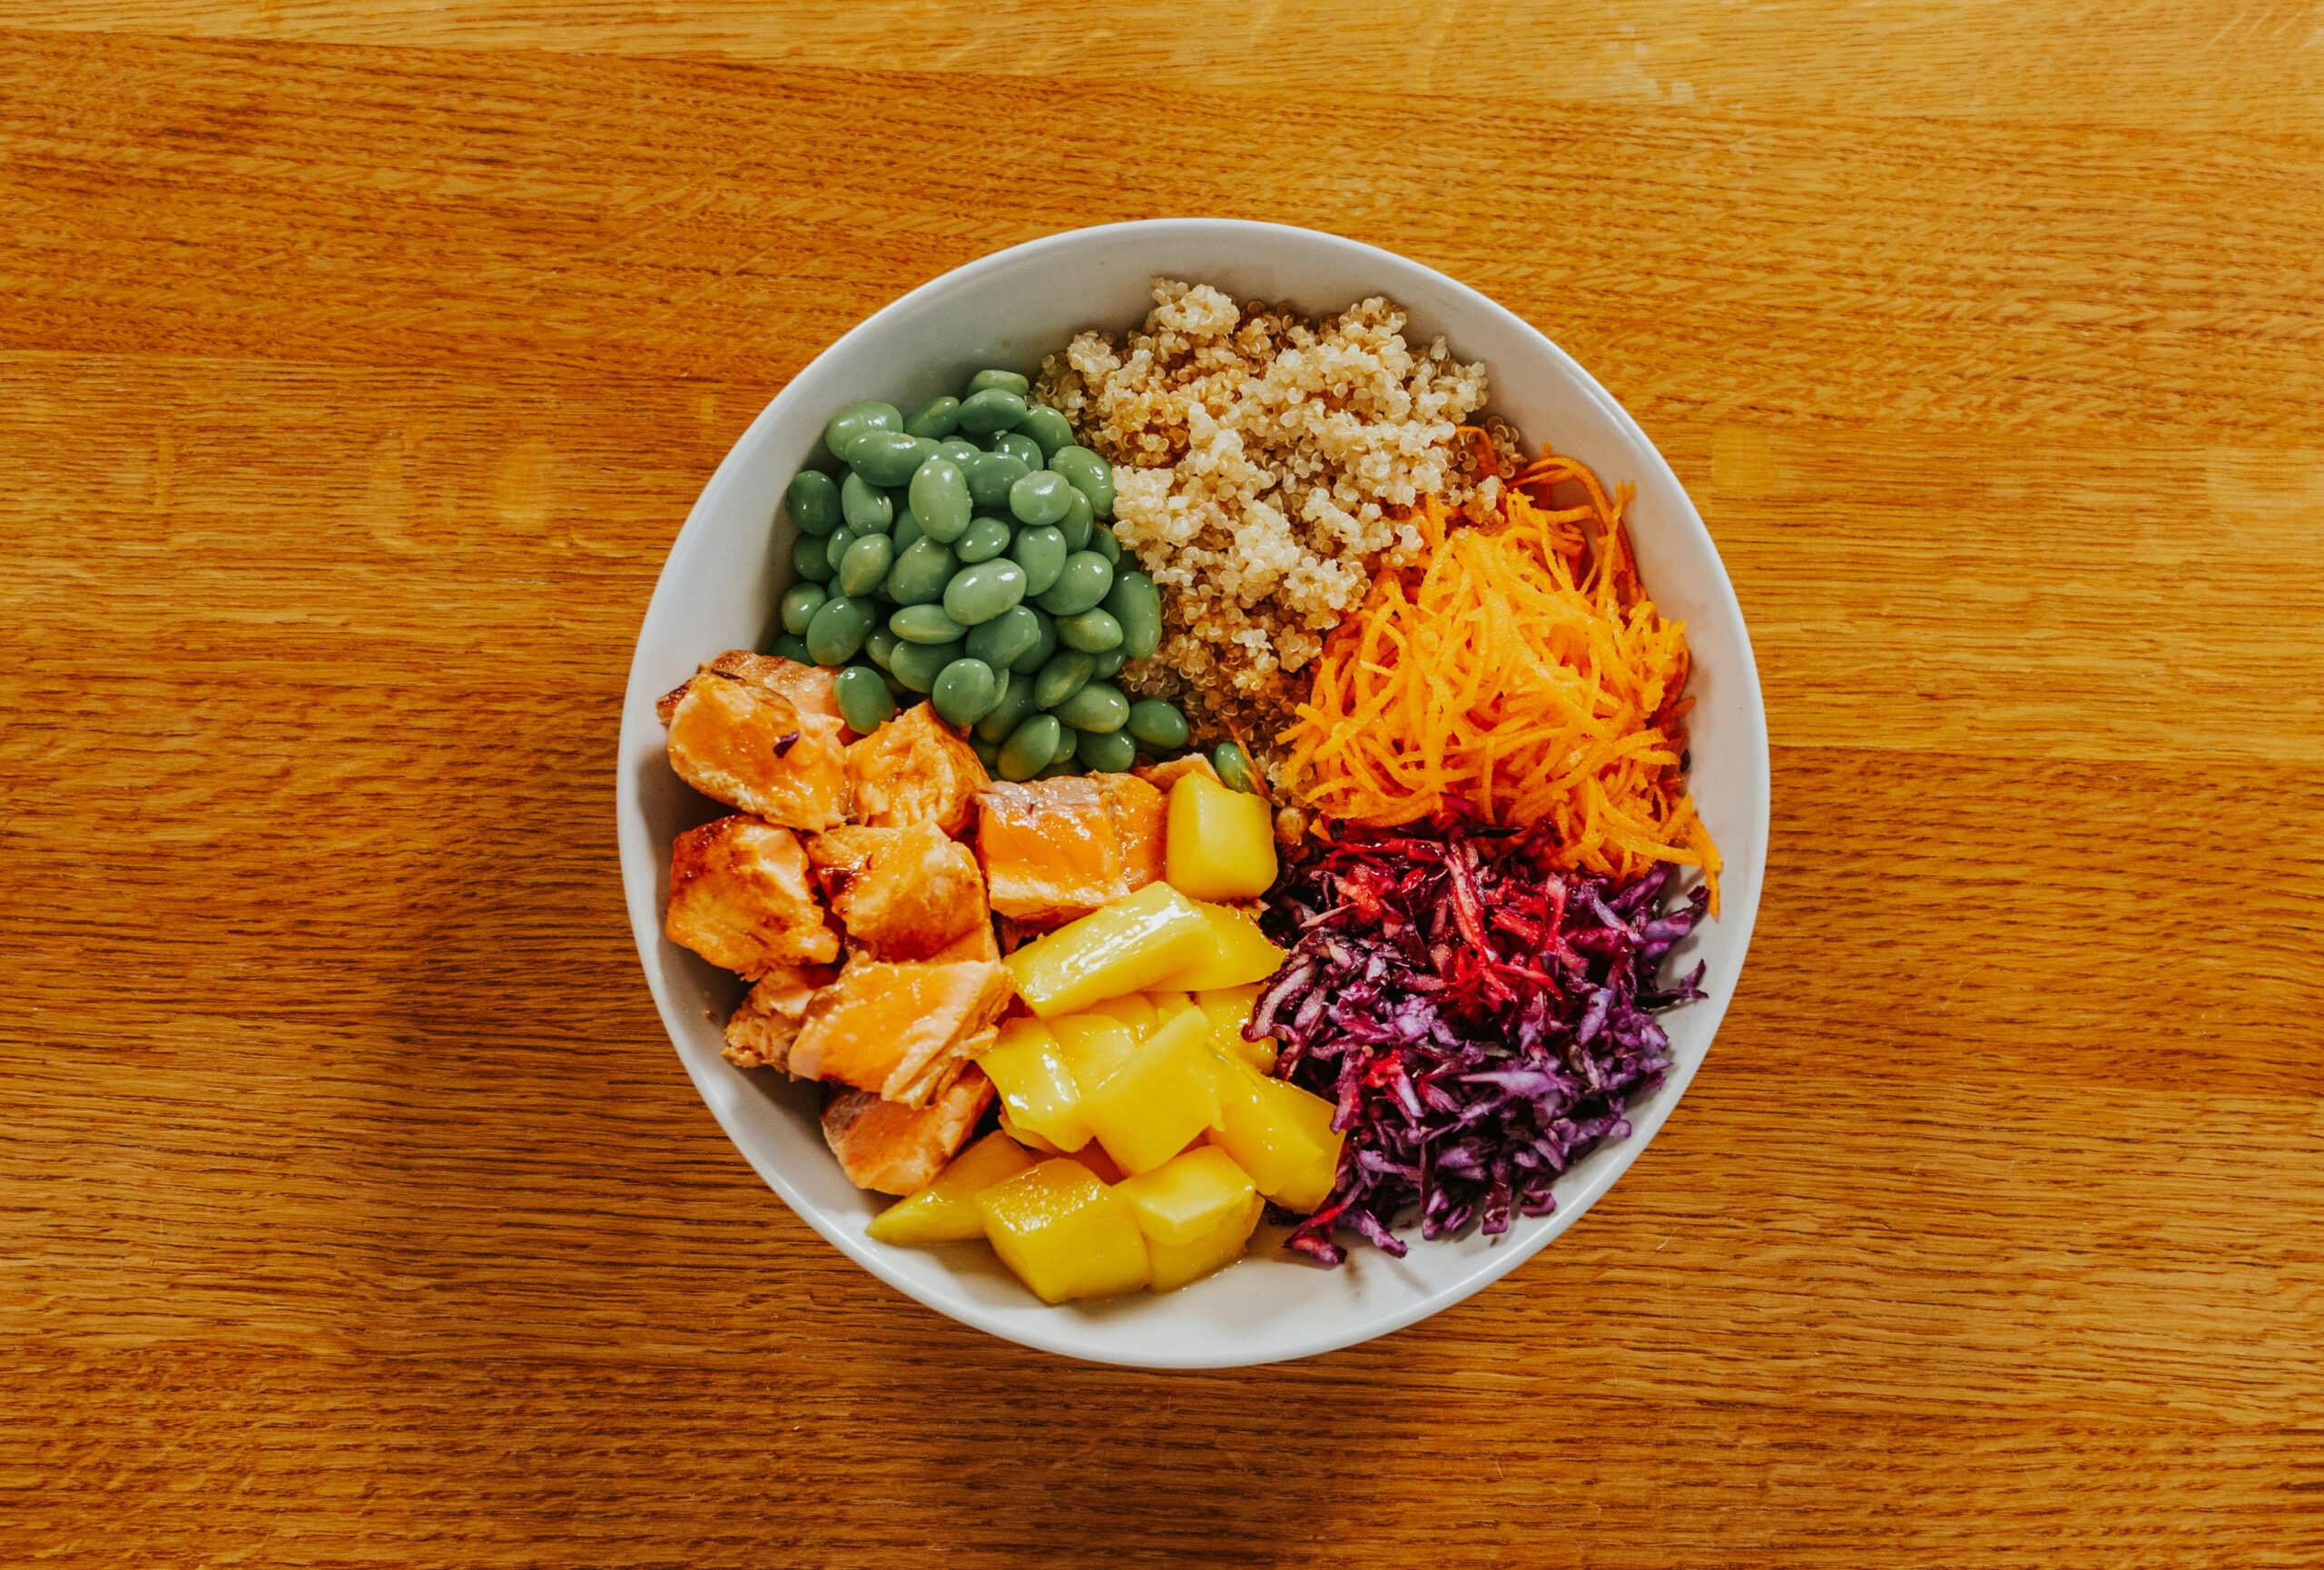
1521	670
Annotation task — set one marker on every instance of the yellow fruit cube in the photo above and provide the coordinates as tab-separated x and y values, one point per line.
1093	1046
1171	1266
1278	1133
1064	1233
1154	1105
945	1212
1169	1005
1217	844
1026	1137
1237	954
1187	1196
1136	1011
1040	1104
1125	947
1229	1009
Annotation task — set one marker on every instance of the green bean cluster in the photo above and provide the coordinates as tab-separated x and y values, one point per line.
960	553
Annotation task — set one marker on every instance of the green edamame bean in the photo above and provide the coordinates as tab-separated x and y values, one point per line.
1158	726
1136	604
1088	473
990	476
1068	747
988	753
1078	523
885	457
986	539
1081	585
1233	768
918	665
940	498
1039	498
1015	702
865	505
1029	746
858	418
1092	630
906	529
1066	673
1023	448
1041	552
1006	381
792	647
978	594
865	566
922	570
925	623
1049	429
958	449
1100	705
814	501
1109	663
1102	541
1108	752
864	701
879	644
839	628
999	642
836	545
801	601
965	691
810	558
1040	654
938	418
991	409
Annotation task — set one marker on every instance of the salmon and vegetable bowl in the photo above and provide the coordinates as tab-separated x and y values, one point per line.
1220	779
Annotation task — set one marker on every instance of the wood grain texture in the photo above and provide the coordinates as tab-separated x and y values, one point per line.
357	365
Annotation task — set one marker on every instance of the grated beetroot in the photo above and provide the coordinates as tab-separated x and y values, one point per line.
1479	1017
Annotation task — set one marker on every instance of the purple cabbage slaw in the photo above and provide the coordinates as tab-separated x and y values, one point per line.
1479	1018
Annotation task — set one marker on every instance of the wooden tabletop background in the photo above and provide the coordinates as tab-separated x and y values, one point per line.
358	364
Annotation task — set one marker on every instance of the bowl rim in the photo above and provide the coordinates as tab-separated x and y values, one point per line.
1053	1333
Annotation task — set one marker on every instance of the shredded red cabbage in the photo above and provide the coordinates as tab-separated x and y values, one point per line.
1479	1018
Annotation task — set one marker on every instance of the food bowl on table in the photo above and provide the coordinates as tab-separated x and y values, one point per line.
732	562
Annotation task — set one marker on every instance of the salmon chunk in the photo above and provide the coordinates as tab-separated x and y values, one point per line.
766	1021
904	894
896	1149
740	896
1058	848
755	747
915	769
902	1032
810	687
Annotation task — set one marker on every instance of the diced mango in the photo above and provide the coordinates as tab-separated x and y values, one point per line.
1126	947
1171	1266
1220	843
1187	1195
946	1210
1278	1133
1237	954
1026	1137
1168	1004
1064	1233
1093	1046
1136	1011
1039	1100
1229	1009
1154	1105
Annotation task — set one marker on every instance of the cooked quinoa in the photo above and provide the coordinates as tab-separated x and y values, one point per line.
1265	468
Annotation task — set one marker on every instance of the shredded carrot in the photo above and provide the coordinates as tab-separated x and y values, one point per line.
1520	671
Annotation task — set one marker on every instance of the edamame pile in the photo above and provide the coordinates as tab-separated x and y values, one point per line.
961	555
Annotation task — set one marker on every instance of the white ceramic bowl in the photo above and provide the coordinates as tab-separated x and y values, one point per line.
731	563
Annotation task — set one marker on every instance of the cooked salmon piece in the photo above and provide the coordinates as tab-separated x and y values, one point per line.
747	745
978	945
904	894
897	1150
902	1032
812	687
741	897
1058	848
766	1021
915	769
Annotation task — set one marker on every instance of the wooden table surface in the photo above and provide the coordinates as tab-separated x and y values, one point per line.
357	367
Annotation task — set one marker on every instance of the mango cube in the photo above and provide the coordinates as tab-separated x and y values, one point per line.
1136	1011
1040	1104
1169	1005
1125	947
1229	1010
1217	844
1064	1233
1171	1266
1187	1196
1157	1102
1237	954
1026	1137
1278	1133
945	1212
1092	1046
